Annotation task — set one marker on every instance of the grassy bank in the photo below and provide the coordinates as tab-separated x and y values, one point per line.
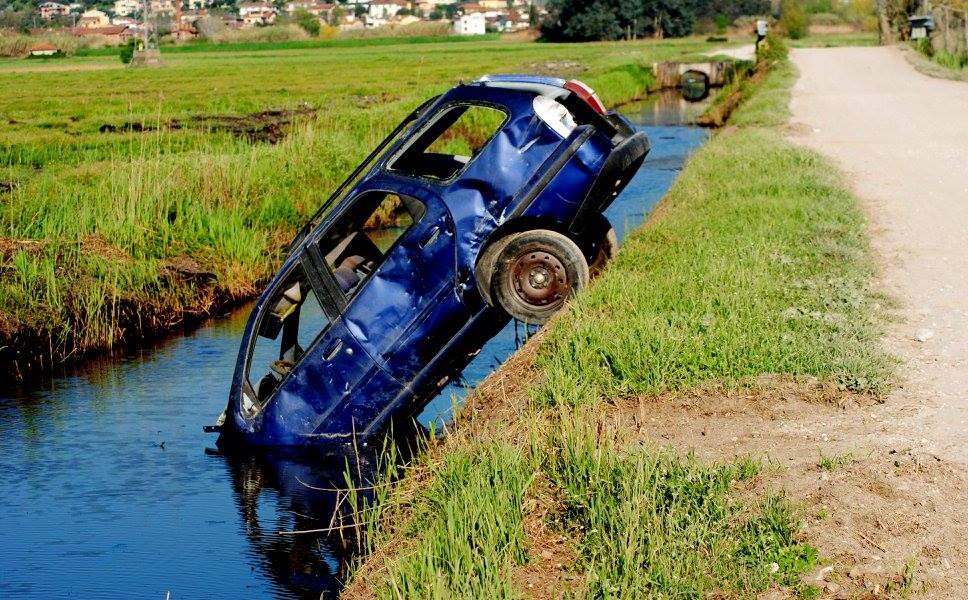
937	64
134	199
754	268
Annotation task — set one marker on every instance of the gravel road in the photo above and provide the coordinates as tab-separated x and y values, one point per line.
902	138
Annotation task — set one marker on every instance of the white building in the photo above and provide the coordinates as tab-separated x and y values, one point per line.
124	8
249	8
472	24
385	9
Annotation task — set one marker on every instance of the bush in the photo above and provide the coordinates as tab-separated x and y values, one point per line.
772	50
816	7
18	45
826	19
793	19
308	22
127	51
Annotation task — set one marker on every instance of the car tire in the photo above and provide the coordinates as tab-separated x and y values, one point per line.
536	273
600	243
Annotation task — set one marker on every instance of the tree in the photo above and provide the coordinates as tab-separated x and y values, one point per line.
308	21
793	19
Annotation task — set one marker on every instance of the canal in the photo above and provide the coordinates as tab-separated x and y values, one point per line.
112	490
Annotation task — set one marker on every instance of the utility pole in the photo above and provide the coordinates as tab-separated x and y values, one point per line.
148	54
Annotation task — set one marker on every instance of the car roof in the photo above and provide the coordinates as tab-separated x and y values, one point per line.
543	85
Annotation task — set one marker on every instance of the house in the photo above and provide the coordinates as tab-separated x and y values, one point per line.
124	22
248	8
43	49
258	18
126	8
163	7
49	10
385	9
94	18
112	35
493	4
470	24
323	10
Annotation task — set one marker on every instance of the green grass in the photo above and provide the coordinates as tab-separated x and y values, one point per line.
643	522
833	463
186	187
757	263
836	40
296	44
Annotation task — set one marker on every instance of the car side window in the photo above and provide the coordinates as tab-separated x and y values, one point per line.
290	323
450	142
357	243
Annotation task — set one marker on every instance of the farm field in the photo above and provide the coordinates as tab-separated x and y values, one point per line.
134	199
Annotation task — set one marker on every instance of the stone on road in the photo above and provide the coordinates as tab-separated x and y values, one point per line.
902	137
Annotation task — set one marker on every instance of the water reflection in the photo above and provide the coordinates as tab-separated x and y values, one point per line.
285	492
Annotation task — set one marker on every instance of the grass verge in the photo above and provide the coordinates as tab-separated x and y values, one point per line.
756	263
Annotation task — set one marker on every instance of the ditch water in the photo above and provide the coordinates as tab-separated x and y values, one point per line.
108	490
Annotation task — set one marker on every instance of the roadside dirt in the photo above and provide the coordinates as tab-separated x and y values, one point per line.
896	501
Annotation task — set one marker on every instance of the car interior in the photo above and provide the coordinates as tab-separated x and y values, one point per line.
356	244
450	142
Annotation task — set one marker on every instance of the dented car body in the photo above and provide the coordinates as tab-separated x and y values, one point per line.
470	213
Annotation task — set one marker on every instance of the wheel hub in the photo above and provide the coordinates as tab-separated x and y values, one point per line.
540	278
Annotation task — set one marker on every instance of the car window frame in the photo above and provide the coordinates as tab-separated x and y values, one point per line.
325	302
342	300
416	135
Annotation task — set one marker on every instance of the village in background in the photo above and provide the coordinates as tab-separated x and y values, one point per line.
108	24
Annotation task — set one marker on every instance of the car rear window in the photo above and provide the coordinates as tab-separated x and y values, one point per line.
450	142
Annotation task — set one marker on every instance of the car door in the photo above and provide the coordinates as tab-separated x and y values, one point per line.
302	362
405	306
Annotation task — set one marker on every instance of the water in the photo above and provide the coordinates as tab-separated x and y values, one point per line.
108	490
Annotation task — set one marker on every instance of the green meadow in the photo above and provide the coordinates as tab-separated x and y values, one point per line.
131	199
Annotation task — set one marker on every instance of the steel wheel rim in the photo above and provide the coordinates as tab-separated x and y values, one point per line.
539	279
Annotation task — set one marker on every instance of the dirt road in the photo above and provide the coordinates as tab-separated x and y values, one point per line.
903	139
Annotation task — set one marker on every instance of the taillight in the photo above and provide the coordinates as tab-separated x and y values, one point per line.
587	94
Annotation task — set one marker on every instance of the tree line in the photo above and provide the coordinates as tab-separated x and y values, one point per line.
580	20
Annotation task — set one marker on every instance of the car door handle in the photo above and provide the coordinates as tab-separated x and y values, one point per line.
333	350
430	239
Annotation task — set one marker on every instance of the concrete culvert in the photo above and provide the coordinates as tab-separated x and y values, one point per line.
694	85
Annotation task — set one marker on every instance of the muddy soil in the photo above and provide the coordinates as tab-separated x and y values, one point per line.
268	126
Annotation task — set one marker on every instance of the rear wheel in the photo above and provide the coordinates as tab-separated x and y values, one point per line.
536	273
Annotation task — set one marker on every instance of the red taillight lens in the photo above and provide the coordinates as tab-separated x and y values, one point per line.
587	94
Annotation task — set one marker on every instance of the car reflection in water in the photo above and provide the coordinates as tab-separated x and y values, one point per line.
289	491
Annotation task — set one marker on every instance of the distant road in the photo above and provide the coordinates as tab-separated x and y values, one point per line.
903	139
747	52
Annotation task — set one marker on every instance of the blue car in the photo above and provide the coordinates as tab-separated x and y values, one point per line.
484	204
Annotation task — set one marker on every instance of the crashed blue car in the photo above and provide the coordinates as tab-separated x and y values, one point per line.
484	204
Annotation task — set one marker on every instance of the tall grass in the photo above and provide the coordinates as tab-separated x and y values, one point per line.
757	264
644	523
117	174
